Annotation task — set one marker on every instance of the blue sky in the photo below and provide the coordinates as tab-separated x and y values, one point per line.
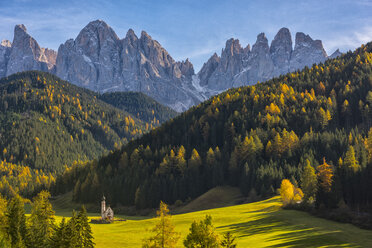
194	29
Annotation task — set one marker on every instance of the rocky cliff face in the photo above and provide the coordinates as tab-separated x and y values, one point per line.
24	54
5	47
261	63
99	60
306	52
281	51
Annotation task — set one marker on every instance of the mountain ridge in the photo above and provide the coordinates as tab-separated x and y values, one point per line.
99	60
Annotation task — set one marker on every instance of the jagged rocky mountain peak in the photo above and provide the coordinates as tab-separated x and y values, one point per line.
21	36
283	33
305	40
20	28
215	56
131	36
247	49
281	51
261	37
98	25
232	48
282	38
26	54
145	36
96	32
186	68
261	43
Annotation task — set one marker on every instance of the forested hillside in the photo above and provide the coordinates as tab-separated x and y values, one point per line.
19	179
251	137
46	123
139	105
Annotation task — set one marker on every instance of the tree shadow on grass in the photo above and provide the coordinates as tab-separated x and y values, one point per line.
289	235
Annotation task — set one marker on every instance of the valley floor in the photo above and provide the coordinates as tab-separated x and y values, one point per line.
259	224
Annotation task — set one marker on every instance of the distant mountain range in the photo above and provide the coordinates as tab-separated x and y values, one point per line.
99	60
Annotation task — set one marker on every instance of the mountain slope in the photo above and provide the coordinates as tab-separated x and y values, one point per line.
46	122
251	137
139	105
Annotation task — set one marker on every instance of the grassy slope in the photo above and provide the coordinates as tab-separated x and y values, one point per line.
260	224
222	196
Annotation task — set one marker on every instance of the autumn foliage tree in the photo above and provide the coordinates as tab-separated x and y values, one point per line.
164	233
325	175
289	193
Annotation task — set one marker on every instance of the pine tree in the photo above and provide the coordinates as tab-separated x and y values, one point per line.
202	234
41	221
323	117
59	238
228	241
309	182
210	162
350	161
3	204
164	234
369	144
16	223
3	239
84	230
71	232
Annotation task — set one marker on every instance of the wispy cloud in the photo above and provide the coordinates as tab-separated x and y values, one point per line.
349	40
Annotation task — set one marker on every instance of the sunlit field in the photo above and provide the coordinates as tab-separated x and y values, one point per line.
260	224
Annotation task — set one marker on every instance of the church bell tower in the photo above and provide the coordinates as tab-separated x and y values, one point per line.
103	207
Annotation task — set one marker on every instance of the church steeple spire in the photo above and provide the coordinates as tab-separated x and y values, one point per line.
103	206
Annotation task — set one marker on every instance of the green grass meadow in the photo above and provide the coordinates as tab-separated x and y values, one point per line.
259	224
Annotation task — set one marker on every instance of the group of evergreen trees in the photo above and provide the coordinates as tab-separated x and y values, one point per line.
40	229
140	105
250	137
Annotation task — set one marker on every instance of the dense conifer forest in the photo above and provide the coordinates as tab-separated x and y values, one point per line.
47	124
251	137
139	105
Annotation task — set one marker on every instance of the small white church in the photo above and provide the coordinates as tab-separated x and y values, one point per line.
106	213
